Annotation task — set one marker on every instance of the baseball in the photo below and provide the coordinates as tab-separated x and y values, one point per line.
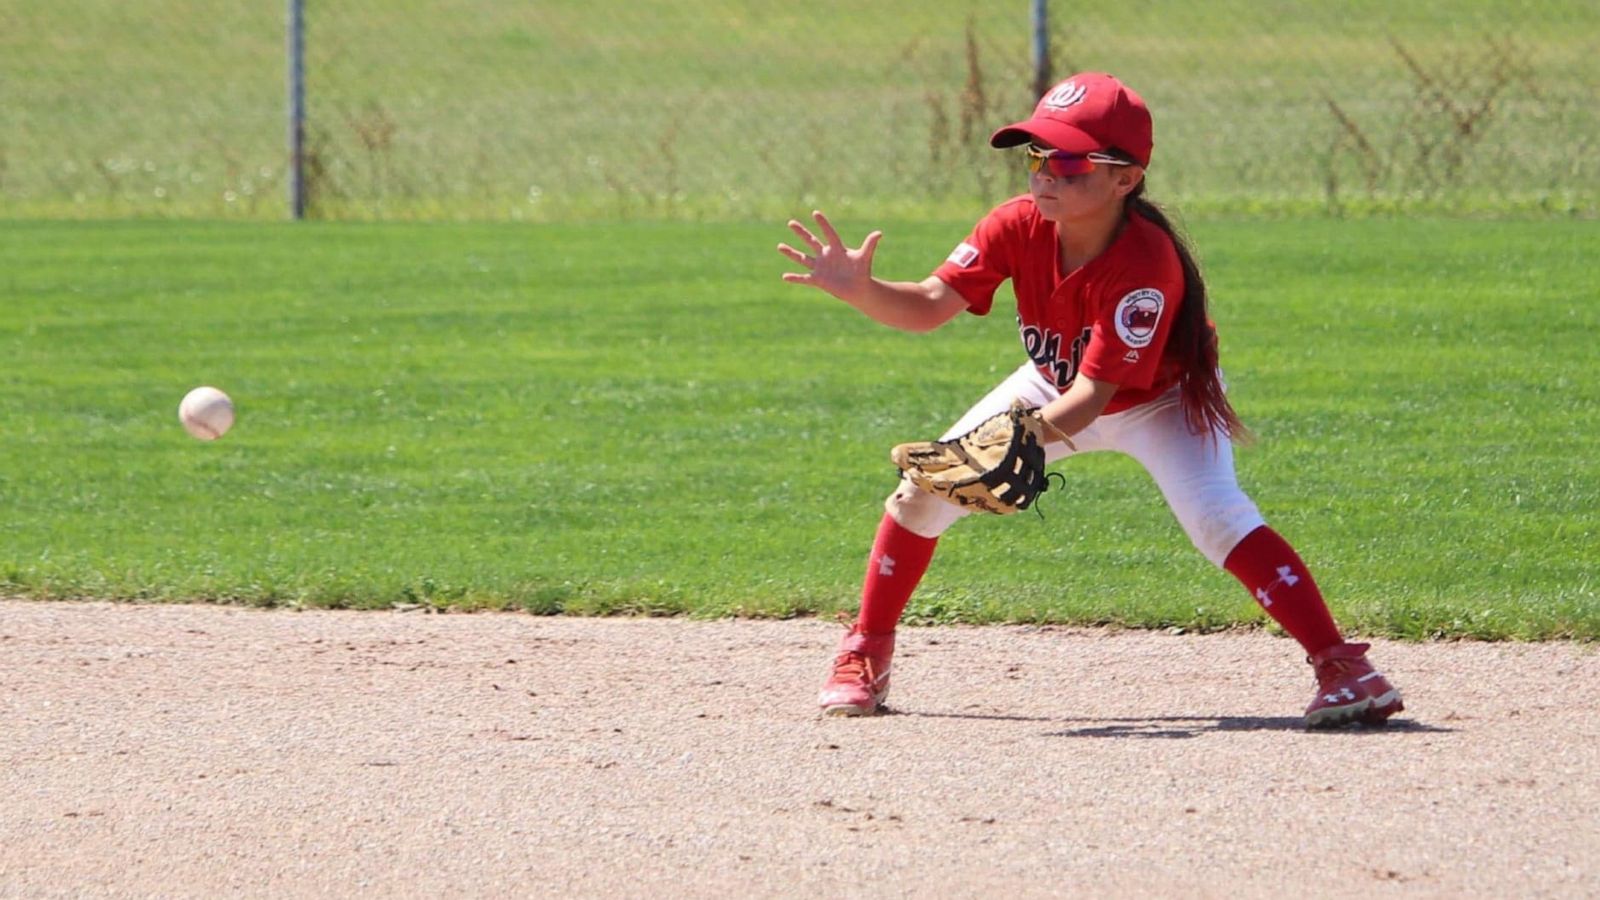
206	413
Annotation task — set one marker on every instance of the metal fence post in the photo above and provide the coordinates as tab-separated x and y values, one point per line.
1041	47
297	110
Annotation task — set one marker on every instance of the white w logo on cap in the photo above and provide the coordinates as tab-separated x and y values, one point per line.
1068	94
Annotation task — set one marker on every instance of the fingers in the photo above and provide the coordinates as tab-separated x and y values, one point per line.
802	259
806	235
827	229
836	262
870	245
797	256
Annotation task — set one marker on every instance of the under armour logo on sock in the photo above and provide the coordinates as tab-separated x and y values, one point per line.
886	565
1285	576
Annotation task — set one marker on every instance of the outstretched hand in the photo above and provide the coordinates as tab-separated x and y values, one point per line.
832	266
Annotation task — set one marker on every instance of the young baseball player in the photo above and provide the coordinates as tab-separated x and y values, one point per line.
1121	356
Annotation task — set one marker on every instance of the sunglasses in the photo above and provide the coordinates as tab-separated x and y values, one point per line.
1062	164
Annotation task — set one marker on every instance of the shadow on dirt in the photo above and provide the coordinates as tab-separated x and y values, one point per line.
1194	726
1188	726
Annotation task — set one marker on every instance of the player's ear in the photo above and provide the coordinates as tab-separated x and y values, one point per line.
1128	178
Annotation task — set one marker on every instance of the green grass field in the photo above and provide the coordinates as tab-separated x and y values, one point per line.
643	418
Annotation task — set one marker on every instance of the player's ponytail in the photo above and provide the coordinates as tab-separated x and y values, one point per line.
1193	340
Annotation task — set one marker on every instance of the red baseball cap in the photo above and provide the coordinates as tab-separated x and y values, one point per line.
1089	112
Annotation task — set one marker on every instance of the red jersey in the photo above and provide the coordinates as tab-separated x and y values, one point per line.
1109	319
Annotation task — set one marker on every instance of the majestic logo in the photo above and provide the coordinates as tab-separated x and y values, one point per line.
1065	95
886	565
1137	316
963	255
1044	348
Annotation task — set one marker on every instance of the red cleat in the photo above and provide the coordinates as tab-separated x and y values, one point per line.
1349	689
860	677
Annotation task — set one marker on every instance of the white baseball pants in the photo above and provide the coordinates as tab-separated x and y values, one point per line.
1194	472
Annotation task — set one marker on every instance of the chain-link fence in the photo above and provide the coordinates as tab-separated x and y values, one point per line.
456	108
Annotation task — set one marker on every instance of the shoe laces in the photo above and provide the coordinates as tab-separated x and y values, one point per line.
853	665
1330	670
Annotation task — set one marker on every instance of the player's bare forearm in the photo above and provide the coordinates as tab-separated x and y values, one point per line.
908	305
1085	399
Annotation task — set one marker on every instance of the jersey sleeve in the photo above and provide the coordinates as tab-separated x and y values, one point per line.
977	266
1129	334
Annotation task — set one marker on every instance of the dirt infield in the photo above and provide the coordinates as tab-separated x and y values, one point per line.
192	751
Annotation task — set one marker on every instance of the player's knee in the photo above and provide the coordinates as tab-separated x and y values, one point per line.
921	513
1218	530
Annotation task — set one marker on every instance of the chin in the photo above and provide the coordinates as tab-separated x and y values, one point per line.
1049	209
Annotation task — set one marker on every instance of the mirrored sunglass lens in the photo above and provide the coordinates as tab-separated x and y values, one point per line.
1060	165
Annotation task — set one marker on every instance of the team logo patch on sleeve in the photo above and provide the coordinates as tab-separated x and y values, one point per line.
1137	316
963	255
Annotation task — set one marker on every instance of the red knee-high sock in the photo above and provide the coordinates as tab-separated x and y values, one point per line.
1279	580
898	560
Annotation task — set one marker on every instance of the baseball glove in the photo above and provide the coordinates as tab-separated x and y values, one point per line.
997	467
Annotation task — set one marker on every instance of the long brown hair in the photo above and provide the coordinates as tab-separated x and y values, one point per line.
1205	404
